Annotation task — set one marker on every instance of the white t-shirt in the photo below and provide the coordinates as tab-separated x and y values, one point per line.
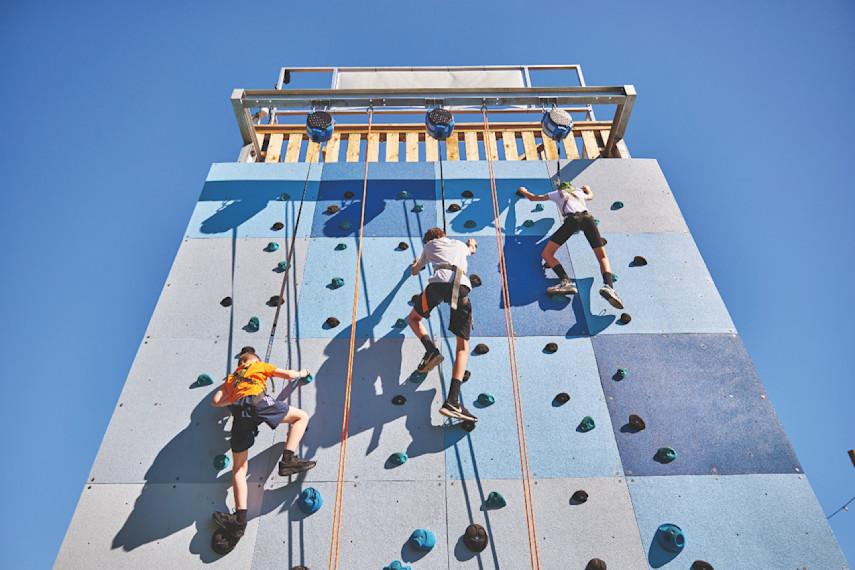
569	202
445	250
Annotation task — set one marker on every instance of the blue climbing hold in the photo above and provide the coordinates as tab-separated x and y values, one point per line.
282	265
397	566
495	500
617	205
558	297
308	378
665	455
284	196
587	424
204	380
486	399
621	374
418	208
272	246
418	377
469	224
422	539
670	537
337	282
310	500
398	458
528	223
341	246
403	194
614	277
400	323
596	221
221	462
345	225
538	208
253	324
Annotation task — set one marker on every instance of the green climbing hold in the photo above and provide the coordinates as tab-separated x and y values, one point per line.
538	208
418	208
221	462
203	380
495	500
617	205
341	246
308	378
621	374
345	225
282	265
272	246
469	224
284	196
614	277
418	377
528	223
665	455
403	194
586	425
486	399
398	458
400	323
559	297
596	221
253	324
337	282
670	537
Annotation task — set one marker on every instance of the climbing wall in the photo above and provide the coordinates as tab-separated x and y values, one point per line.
735	488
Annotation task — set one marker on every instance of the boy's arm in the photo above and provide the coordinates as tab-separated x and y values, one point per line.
523	191
220	399
290	374
418	264
472	245
589	195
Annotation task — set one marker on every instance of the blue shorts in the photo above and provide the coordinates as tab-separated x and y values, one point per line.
247	417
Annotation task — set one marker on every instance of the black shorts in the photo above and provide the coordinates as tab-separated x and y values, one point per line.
247	417
573	223
461	318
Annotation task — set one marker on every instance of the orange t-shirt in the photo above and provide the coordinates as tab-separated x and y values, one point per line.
248	380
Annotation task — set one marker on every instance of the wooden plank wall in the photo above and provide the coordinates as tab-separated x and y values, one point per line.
505	141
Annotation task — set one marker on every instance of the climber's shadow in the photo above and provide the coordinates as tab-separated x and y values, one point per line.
241	200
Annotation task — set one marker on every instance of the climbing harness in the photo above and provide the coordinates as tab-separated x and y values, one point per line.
455	287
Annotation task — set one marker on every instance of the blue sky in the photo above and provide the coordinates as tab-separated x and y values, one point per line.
115	111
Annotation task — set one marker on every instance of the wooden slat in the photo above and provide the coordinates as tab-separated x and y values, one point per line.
293	152
431	149
623	152
313	151
331	150
373	150
353	140
452	147
471	138
570	146
259	137
274	147
509	140
490	146
604	140
549	149
392	142
419	127
589	141
412	143
530	145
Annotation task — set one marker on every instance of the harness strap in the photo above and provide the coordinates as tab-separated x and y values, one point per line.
455	286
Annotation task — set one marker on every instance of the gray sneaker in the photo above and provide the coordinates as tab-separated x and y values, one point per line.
457	411
610	295
566	286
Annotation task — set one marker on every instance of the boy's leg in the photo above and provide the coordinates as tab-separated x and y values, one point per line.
234	524
607	291
432	355
548	255
239	469
452	407
290	463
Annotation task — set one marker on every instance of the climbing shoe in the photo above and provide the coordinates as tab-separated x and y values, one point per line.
294	464
228	522
429	362
610	295
566	286
457	411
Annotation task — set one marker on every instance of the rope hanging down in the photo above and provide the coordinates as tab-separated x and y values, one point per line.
442	188
345	423
526	477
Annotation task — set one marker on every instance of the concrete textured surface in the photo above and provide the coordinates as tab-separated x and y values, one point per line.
736	487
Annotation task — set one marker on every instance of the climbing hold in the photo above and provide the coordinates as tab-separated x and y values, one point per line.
439	123
336	282
624	318
638	261
475	538
665	455
283	196
282	265
562	398
398	458
399	400
403	194
310	500
332	209
467	194
579	497
466	375
475	280
253	324
277	226
400	323
272	246
332	322
528	223
596	221
558	297
486	399
469	224
203	380
397	566
468	426
495	500
308	378
586	425
481	349
319	126
454	208
418	208
701	565
614	277
538	208
620	374
348	195
345	225
557	123
416	298
221	462
275	301
418	377
403	246
247	349
550	348
301	568
595	564
636	423
617	205
422	539
341	246
670	537
226	302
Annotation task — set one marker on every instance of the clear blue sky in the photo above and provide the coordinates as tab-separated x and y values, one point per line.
114	112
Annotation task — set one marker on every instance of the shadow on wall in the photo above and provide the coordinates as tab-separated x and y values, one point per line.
241	200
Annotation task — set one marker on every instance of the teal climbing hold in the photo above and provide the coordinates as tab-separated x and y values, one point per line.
310	500
587	424
596	221
422	539
272	246
418	377
538	208
308	378
397	566
284	196
469	224
221	462
400	323
617	205
614	277
558	297
665	455
282	265
345	225
398	458
204	380
418	208
528	223
621	374
670	537
337	282
254	324
486	399
495	500
403	194
341	246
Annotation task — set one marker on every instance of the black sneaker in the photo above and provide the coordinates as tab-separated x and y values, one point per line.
294	465
457	411
228	522
429	362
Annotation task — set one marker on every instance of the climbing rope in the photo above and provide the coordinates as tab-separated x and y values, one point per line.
345	423
442	187
526	477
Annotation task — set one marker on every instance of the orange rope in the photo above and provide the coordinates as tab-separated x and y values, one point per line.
529	512
345	423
